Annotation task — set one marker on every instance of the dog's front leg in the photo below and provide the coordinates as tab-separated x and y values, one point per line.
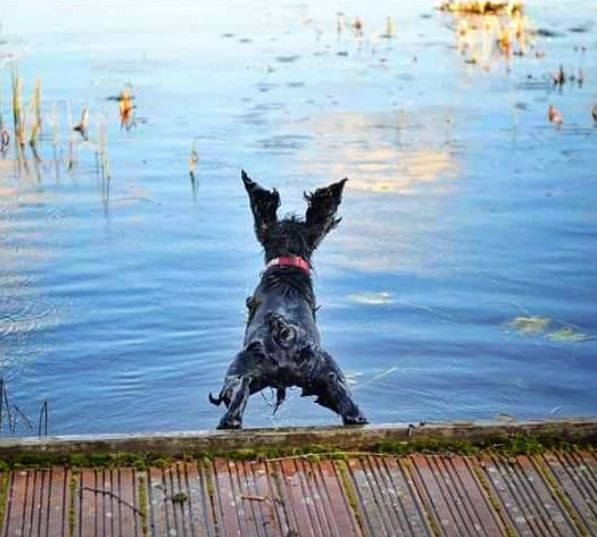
238	390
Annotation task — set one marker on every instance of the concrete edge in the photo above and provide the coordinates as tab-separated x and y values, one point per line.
576	430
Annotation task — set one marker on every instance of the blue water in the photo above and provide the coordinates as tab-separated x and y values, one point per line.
461	283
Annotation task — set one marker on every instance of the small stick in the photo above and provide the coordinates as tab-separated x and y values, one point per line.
116	497
255	498
43	419
4	402
23	416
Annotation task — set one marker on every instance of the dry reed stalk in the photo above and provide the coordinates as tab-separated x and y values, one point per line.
17	108
83	125
125	106
102	140
193	160
55	122
72	153
482	7
37	100
35	114
4	134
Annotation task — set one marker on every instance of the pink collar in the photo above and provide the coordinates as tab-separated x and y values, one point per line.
289	261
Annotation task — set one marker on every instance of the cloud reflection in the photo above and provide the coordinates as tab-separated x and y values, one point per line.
386	155
371	151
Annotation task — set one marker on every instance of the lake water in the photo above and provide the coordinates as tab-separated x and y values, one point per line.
461	283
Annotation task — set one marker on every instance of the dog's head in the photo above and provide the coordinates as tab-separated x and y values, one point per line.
293	235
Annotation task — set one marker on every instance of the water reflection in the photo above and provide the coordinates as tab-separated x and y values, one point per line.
486	38
449	221
369	149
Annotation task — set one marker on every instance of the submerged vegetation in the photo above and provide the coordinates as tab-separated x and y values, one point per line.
28	131
482	7
12	417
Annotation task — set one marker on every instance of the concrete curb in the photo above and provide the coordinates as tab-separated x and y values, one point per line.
576	430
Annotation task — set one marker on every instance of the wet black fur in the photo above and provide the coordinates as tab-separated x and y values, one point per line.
282	344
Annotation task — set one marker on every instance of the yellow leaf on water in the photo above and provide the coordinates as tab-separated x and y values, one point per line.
529	325
567	335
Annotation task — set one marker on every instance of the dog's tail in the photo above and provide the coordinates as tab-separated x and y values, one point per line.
215	400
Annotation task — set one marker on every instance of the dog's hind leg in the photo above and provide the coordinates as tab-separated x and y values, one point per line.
235	397
329	385
334	395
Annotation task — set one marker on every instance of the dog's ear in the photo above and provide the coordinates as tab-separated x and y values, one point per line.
321	211
264	204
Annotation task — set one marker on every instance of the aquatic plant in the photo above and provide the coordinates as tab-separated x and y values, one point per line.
102	145
18	113
125	107
529	325
193	160
82	126
483	29
567	334
559	78
390	28
4	134
36	104
555	116
4	140
482	7
11	414
35	114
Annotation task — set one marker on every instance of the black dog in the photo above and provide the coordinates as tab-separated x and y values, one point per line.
282	343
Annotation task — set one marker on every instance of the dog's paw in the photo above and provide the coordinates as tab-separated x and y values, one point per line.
229	423
359	419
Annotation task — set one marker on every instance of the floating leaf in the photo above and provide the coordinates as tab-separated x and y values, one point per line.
371	299
567	334
529	325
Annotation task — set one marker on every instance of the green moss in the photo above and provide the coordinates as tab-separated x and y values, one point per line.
557	491
426	445
179	497
4	479
432	523
72	512
494	502
510	445
350	493
206	471
142	503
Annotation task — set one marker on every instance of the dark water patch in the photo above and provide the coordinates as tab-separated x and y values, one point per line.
547	32
264	87
288	59
284	143
534	85
581	28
